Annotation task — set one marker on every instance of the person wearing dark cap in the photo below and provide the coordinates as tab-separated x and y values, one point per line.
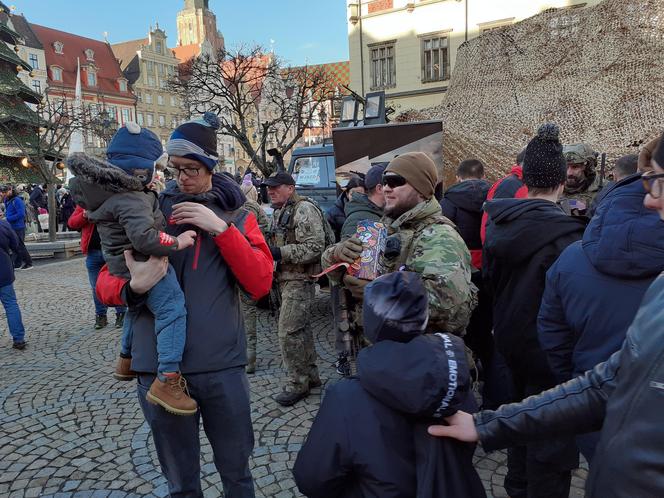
370	435
297	239
523	239
230	252
420	239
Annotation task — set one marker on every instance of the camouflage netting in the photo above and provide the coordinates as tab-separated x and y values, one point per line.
598	72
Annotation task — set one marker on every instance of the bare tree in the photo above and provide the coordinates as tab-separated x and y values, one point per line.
44	142
260	102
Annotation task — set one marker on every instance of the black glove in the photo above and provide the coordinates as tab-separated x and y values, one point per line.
276	253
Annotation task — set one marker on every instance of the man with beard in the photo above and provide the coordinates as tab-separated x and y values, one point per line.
421	240
582	182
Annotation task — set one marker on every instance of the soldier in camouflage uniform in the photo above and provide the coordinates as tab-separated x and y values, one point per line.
248	304
421	240
583	183
297	239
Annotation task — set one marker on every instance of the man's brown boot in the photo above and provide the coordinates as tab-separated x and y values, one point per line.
123	370
172	395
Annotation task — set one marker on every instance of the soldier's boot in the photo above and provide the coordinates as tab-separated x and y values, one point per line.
123	369
172	395
251	362
289	398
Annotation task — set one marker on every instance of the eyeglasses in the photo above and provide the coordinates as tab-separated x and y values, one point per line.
652	183
394	181
190	172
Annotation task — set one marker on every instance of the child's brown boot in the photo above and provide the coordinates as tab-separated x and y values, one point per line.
123	369
172	395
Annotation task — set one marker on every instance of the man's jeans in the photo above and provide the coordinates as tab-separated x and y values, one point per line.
166	302
223	401
94	263
21	256
14	320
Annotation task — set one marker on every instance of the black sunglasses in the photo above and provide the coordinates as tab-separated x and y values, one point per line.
652	183
394	181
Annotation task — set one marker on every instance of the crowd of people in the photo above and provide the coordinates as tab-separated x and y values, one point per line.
541	290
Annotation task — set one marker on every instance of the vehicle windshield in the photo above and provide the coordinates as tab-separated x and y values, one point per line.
312	171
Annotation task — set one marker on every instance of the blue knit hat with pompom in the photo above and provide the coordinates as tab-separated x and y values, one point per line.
135	150
196	139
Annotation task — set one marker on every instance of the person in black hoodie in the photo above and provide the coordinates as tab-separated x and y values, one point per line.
370	436
524	238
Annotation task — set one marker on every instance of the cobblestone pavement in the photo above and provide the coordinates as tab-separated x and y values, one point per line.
67	429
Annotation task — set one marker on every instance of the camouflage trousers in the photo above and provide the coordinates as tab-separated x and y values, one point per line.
295	335
249	314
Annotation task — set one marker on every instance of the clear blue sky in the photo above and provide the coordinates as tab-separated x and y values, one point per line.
304	31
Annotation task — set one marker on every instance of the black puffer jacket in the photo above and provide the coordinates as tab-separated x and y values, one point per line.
126	214
370	436
462	203
624	397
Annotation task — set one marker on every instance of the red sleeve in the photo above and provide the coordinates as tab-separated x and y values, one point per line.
109	288
77	221
248	256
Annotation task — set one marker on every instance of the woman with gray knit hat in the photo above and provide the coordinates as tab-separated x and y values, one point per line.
230	252
523	239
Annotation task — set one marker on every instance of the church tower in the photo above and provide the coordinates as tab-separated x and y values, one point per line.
197	23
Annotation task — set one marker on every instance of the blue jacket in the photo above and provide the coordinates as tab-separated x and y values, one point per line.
8	242
370	438
595	288
15	212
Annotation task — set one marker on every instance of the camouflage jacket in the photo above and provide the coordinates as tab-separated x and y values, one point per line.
261	217
297	228
430	245
587	197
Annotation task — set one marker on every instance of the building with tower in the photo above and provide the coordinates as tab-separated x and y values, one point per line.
197	31
148	64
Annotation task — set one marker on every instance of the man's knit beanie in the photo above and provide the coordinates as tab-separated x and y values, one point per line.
135	150
196	139
544	165
419	171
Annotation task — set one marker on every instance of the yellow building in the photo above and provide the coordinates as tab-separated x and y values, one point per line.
408	47
148	64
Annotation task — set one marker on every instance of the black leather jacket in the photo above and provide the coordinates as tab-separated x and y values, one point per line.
624	397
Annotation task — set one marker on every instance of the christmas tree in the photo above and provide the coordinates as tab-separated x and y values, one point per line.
19	124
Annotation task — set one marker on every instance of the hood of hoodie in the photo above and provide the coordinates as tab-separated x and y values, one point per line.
625	239
468	195
224	192
520	228
96	180
427	377
360	202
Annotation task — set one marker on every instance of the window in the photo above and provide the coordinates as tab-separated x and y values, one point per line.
435	59
126	116
150	119
56	73
163	83
148	98
58	46
90	54
174	122
174	101
150	66
92	78
34	61
36	86
112	113
160	99
139	96
123	85
383	70
94	110
151	80
158	45
139	118
162	120
312	171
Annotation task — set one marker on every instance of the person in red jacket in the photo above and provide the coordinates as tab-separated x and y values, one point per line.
230	252
94	261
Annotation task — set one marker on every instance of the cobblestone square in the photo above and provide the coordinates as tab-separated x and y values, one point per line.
68	429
